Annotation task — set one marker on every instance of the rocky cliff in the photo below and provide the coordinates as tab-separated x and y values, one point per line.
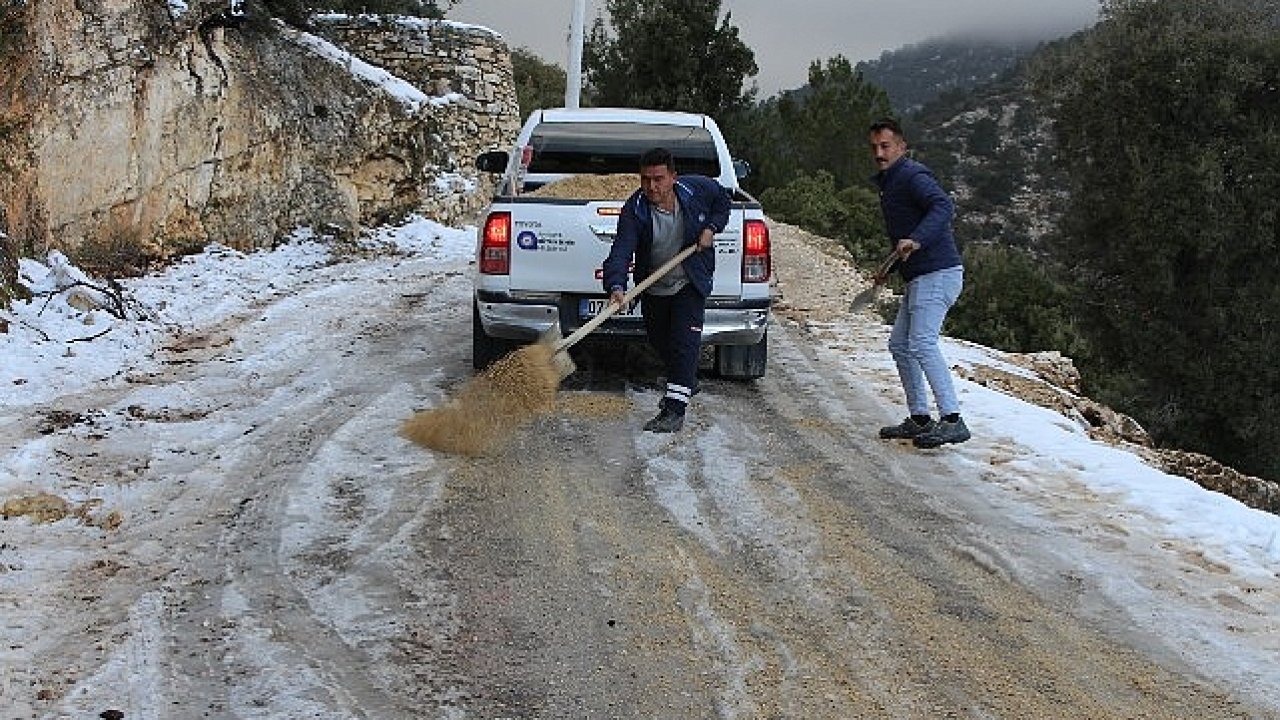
134	123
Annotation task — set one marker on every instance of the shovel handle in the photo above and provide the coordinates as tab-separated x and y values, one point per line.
631	294
882	272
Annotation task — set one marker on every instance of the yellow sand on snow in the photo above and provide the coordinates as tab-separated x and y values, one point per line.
491	406
40	507
44	507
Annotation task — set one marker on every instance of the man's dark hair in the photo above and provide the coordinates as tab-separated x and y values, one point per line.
889	124
658	156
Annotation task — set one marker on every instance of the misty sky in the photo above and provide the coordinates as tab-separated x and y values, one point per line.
787	35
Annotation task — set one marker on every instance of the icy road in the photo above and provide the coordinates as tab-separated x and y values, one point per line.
247	535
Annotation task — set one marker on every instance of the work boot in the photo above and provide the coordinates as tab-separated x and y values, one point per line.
943	432
905	430
667	421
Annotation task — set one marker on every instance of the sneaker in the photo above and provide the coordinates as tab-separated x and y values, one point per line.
943	432
666	421
905	430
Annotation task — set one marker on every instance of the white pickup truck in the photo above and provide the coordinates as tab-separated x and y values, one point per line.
538	256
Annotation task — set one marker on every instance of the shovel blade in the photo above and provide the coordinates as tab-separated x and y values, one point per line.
560	359
563	363
863	299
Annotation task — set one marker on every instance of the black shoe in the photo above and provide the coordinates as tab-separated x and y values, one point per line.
943	432
666	421
905	430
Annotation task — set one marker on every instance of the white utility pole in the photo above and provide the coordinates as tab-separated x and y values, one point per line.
573	76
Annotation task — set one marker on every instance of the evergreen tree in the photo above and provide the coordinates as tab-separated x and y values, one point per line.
539	84
669	55
1014	300
821	127
827	123
850	215
1168	122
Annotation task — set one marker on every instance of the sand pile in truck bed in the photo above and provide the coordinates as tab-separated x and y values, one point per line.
590	187
491	406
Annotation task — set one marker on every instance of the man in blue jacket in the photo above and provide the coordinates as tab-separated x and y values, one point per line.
666	215
917	216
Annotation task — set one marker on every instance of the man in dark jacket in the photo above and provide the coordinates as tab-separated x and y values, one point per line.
666	215
917	216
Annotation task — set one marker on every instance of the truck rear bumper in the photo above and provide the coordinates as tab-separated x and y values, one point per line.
526	319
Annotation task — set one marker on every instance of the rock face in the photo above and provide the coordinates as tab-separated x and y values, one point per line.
169	126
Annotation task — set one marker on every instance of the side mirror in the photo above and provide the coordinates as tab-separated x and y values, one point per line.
494	161
741	168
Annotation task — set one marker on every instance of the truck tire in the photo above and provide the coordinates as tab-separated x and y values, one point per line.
743	362
485	349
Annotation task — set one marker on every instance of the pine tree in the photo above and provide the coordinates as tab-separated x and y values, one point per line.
539	84
669	55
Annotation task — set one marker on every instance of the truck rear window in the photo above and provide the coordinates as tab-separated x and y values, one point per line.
605	148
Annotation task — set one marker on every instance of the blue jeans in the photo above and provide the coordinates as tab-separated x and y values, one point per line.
914	340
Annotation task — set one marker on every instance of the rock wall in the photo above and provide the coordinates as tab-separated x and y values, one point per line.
465	69
169	126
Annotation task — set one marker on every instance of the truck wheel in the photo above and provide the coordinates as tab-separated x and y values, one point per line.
743	362
484	348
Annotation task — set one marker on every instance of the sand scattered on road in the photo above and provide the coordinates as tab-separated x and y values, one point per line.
594	405
491	405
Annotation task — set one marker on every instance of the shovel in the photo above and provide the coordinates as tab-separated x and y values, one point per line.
878	280
563	363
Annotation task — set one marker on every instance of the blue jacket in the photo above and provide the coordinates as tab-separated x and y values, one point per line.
915	206
704	203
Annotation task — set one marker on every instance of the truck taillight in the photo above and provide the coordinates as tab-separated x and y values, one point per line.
756	265
495	245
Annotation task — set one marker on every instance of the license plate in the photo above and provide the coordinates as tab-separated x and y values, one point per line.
590	307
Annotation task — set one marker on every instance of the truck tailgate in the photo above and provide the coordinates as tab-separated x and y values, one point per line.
559	246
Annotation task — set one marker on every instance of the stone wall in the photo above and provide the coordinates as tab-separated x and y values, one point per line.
465	69
440	57
170	127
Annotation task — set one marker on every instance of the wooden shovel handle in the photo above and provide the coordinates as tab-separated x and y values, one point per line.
612	308
882	272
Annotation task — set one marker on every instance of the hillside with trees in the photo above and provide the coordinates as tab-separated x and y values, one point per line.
915	75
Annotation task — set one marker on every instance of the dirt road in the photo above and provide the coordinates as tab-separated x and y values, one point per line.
284	554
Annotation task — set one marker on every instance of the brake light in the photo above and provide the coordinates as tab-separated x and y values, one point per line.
495	245
756	263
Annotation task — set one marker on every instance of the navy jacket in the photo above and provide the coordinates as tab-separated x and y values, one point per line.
704	203
915	206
